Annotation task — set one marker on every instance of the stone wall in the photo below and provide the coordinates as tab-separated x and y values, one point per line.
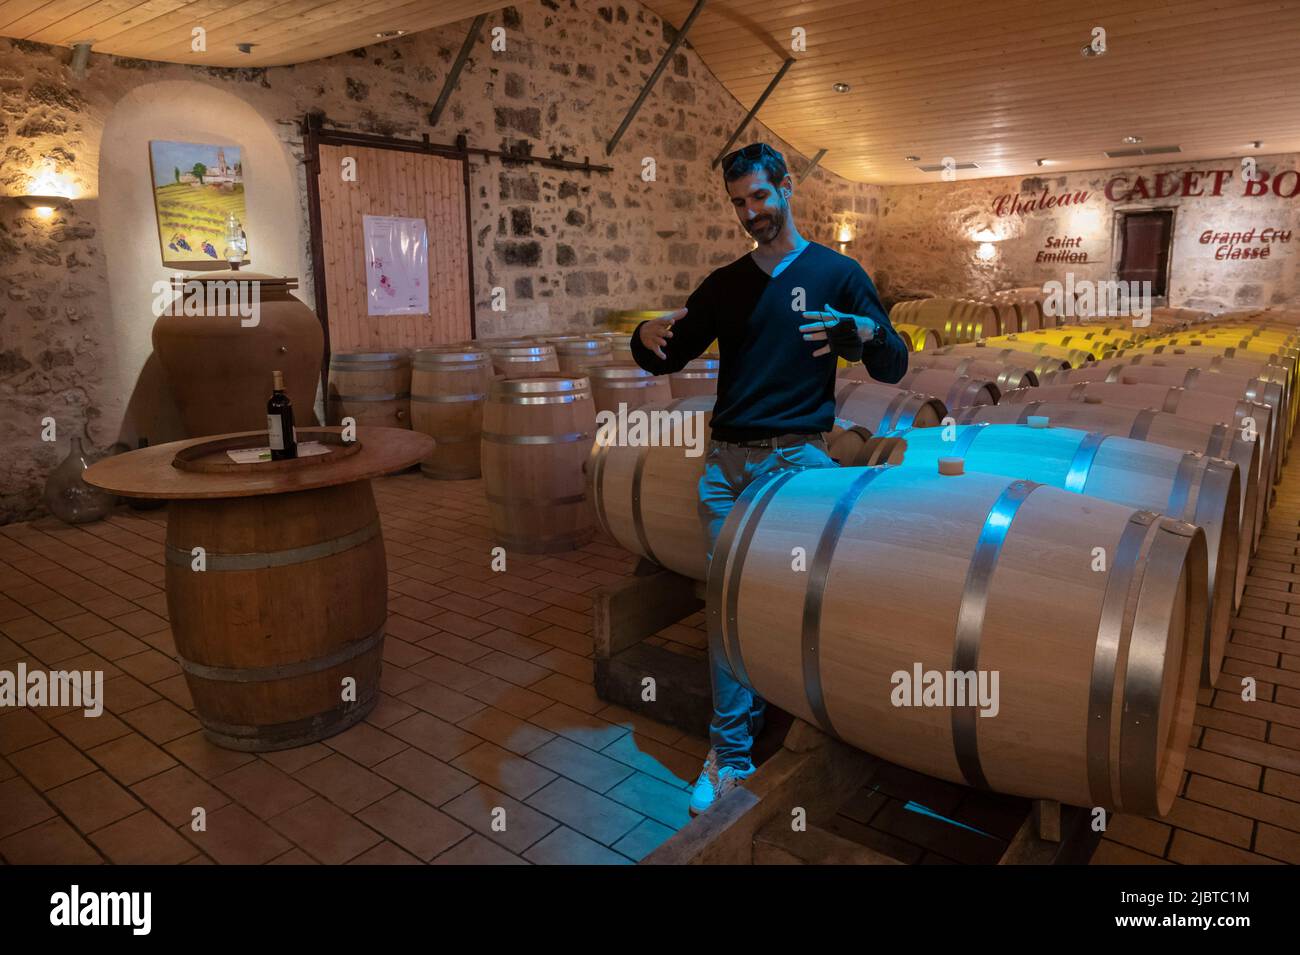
567	247
926	243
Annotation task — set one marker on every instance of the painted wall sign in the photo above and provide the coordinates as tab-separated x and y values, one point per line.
1189	184
1062	248
1231	246
1014	205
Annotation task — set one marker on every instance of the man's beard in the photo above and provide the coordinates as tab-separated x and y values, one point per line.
767	227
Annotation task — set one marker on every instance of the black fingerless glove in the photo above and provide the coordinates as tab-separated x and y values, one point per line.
844	341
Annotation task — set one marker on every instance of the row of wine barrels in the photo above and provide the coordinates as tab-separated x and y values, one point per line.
1077	350
917	577
1008	347
954	389
310	588
372	387
918	337
1145	424
1005	377
1184	484
955	320
536	435
979	359
1252	420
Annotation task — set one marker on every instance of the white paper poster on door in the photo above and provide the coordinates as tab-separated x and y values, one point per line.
397	266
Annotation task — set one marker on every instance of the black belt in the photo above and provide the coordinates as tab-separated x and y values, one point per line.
777	441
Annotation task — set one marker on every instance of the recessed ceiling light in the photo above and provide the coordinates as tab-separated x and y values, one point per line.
912	158
841	87
389	34
1131	140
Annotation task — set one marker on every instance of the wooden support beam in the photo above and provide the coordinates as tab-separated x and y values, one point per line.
811	166
811	771
453	77
753	111
654	78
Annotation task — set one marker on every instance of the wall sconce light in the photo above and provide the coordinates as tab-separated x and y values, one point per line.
986	237
48	192
44	206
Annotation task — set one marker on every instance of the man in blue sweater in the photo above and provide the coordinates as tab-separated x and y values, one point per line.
782	315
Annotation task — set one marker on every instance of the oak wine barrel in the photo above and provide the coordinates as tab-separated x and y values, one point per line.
373	387
448	388
537	431
912	572
305	584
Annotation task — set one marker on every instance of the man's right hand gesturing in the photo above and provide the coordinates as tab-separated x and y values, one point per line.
655	333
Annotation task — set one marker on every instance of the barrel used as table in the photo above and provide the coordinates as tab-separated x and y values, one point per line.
276	577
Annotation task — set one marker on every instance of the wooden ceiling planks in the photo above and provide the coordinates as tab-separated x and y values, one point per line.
1004	84
1000	83
283	31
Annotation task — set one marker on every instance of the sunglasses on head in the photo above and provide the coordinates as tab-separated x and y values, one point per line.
752	151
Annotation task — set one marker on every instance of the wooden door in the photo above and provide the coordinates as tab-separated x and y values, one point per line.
393	182
1145	255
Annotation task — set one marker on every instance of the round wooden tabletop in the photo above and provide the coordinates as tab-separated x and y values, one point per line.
200	467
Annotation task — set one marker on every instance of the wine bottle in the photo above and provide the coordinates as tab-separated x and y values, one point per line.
279	421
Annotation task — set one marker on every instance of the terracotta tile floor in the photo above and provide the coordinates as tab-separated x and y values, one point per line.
1240	799
487	705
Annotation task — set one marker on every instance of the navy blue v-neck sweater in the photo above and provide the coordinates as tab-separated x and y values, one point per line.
769	383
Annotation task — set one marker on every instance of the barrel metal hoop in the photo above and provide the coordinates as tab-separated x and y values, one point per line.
282	671
507	499
962	366
638	523
723	586
1180	493
1190	378
566	438
1113	626
815	594
505	399
1030	408
1078	391
970	621
1217	435
276	736
180	557
596	468
439	399
1076	478
967	438
1172	397
1142	424
390	397
886	419
1139	744
843	396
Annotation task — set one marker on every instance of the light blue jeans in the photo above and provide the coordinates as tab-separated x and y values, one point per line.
728	470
